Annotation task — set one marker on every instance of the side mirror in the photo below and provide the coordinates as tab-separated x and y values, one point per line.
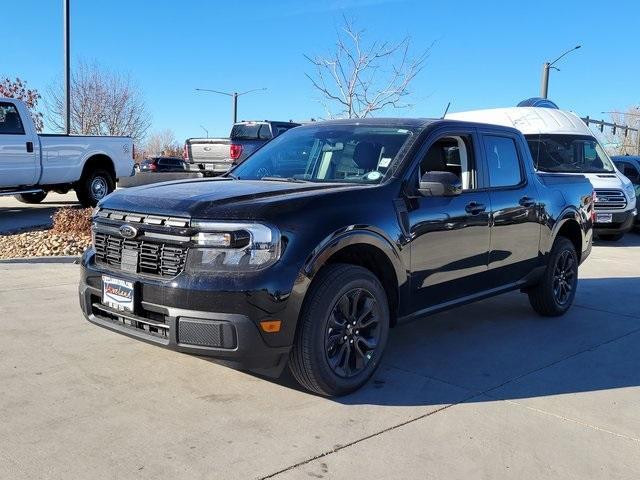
440	184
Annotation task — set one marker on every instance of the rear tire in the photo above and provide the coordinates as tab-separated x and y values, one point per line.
31	198
555	292
342	331
94	186
611	237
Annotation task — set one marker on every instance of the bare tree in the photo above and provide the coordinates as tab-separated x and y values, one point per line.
358	79
162	142
625	142
18	89
102	103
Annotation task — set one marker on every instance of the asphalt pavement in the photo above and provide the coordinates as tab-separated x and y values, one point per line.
489	390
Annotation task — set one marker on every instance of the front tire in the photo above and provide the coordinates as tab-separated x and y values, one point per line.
555	292
31	198
94	186
342	331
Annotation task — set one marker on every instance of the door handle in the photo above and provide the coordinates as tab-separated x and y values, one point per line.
474	208
527	202
29	147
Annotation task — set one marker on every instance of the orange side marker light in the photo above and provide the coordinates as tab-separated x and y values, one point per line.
271	326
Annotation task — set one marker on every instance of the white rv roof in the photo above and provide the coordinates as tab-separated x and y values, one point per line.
528	120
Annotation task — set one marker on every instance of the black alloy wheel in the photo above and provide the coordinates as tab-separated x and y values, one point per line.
353	333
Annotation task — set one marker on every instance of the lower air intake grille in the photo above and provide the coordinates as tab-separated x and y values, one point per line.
206	333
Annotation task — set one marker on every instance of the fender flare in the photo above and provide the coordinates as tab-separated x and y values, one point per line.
353	236
570	213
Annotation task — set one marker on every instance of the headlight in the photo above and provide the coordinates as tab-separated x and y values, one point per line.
630	190
222	246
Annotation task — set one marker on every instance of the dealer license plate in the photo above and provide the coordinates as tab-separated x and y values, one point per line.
117	293
604	218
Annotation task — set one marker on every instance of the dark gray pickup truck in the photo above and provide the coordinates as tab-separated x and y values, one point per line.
214	156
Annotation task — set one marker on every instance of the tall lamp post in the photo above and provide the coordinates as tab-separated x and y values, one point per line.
544	87
233	95
67	68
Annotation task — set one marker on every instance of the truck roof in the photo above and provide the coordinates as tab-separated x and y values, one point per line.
528	120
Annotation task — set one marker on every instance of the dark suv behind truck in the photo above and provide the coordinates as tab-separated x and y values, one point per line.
332	233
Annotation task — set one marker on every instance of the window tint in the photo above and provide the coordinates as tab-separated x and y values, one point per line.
265	133
10	123
451	154
502	161
629	171
245	131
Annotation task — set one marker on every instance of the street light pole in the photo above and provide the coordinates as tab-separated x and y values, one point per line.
67	67
544	85
234	96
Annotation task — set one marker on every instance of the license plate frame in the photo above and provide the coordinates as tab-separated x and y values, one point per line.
604	217
118	294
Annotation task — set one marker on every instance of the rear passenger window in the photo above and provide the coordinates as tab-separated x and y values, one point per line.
10	123
502	161
265	133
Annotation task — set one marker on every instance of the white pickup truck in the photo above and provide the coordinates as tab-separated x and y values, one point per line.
31	165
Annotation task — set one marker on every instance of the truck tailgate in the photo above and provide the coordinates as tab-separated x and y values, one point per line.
210	154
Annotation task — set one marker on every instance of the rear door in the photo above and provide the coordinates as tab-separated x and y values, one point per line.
18	160
515	225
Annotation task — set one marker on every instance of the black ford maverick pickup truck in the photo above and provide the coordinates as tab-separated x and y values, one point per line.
309	251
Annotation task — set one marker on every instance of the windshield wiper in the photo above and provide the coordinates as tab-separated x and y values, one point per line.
285	179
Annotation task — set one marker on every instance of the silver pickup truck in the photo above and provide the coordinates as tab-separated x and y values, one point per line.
32	164
214	156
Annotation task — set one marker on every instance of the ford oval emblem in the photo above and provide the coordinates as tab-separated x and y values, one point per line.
127	231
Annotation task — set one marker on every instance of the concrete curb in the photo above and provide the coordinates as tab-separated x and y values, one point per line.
49	259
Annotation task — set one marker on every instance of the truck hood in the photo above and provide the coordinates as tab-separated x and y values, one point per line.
212	198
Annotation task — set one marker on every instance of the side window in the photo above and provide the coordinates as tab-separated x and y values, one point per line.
452	154
10	122
265	133
630	171
502	161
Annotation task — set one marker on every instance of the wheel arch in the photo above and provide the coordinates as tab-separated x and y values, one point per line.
98	160
368	249
569	226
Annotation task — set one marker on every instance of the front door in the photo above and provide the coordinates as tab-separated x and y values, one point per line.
17	157
449	235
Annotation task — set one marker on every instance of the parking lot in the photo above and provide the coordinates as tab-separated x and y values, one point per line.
489	390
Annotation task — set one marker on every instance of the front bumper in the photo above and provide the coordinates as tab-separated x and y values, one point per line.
194	315
621	222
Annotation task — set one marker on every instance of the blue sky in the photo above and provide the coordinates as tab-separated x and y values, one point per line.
487	54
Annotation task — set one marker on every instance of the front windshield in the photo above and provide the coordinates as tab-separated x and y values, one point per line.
568	154
326	153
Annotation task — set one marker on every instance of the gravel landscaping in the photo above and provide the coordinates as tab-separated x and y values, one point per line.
42	243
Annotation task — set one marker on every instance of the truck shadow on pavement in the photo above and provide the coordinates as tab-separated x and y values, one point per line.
27	217
500	349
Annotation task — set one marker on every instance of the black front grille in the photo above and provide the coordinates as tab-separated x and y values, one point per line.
160	259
